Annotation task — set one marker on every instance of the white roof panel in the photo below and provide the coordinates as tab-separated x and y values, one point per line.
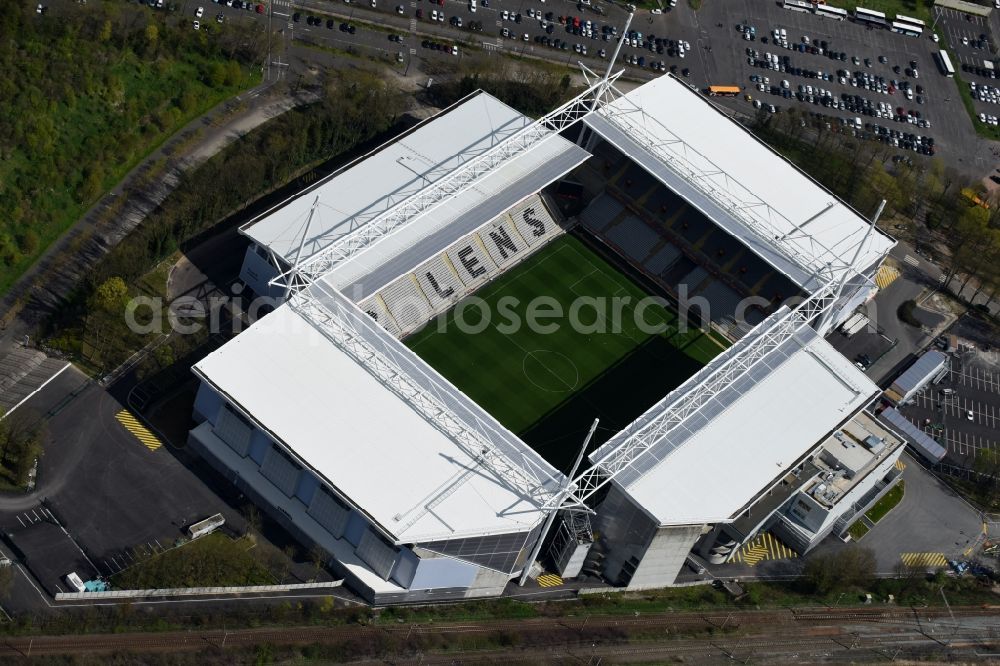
724	171
397	170
371	446
749	434
428	234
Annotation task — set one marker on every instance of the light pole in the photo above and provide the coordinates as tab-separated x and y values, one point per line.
557	501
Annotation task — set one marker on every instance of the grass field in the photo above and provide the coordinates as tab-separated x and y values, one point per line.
549	386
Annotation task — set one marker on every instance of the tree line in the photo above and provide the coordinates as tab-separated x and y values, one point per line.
948	209
354	108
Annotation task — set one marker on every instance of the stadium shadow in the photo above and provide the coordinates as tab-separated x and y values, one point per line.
619	395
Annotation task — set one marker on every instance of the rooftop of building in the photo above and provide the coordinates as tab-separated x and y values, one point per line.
749	435
415	479
846	457
689	144
376	183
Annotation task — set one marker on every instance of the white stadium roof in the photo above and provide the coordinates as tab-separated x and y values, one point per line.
307	387
717	462
377	451
380	180
737	181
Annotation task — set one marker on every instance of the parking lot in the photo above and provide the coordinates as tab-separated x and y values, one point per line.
970	39
873	58
117	498
702	47
962	411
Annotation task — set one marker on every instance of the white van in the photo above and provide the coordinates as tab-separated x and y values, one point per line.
74	582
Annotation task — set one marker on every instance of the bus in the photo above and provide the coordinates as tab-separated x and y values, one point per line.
723	91
798	5
944	62
871	17
974	198
916	23
835	13
906	29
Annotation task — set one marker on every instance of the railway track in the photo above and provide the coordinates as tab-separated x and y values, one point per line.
738	629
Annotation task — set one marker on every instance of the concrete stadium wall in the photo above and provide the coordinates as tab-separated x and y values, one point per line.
665	556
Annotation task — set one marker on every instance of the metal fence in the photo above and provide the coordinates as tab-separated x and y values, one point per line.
193	591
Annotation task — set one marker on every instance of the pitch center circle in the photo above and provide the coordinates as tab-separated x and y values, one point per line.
551	371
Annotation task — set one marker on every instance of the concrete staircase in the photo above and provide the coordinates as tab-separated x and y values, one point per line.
22	372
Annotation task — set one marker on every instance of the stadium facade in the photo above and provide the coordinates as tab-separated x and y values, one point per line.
353	443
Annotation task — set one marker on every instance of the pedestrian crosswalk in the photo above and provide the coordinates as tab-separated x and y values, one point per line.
886	275
139	431
764	547
281	3
549	580
924	560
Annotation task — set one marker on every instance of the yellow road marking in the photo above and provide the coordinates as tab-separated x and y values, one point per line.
764	546
924	560
900	465
549	580
886	275
139	431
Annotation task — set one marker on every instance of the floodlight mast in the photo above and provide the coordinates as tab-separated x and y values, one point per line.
563	493
824	322
606	81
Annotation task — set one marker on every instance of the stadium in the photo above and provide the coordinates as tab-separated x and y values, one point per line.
398	411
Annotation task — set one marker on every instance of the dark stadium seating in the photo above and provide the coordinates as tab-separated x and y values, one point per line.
601	212
662	259
633	237
656	231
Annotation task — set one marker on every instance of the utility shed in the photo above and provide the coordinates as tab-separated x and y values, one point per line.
921	442
927	368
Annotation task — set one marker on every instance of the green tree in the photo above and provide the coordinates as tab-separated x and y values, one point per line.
92	184
28	241
216	75
112	295
105	34
849	567
152	37
967	232
987	464
22	435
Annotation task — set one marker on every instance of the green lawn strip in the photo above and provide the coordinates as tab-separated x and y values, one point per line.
858	530
886	504
211	561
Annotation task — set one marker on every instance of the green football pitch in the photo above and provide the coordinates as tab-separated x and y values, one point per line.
547	383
